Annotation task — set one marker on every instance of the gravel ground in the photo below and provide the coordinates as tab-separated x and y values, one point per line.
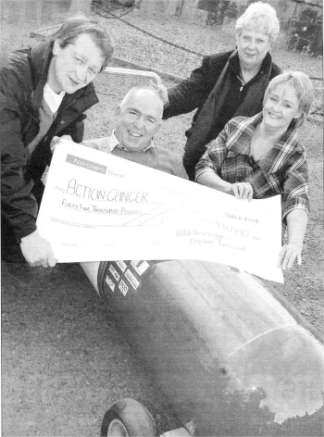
64	360
137	46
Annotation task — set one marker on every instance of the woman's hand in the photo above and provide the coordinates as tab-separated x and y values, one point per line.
242	190
288	254
162	91
296	223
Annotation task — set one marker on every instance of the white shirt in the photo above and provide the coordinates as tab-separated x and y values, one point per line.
52	99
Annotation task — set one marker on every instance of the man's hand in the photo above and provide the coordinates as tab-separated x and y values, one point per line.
288	254
56	140
242	190
37	251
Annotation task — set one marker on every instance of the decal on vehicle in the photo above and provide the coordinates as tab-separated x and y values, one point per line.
140	266
134	282
114	272
123	287
110	283
122	265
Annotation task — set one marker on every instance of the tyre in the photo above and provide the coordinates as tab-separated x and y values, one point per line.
128	418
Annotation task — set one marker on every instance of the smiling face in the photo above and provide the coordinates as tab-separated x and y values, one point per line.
139	118
252	48
74	66
281	106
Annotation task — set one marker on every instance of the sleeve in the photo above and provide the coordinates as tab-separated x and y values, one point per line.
18	204
191	93
180	170
76	131
296	187
215	154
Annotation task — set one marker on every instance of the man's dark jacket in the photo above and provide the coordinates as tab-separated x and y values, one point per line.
23	75
198	92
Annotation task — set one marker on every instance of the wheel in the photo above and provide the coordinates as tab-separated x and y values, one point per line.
128	418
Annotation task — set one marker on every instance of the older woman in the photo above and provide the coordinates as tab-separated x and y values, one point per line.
259	157
227	84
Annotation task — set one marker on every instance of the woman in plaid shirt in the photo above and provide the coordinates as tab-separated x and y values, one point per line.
259	157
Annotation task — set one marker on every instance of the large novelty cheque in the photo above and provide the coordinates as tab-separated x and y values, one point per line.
98	207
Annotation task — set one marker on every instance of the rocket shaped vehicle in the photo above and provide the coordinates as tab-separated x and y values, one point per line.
231	358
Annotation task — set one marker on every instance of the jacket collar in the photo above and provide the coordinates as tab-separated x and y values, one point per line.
234	61
40	59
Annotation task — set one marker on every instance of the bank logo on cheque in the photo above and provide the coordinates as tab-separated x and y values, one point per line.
94	166
84	163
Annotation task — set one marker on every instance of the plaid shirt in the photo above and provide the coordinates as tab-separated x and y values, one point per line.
282	171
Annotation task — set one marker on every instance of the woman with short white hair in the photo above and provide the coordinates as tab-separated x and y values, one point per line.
259	16
227	84
260	156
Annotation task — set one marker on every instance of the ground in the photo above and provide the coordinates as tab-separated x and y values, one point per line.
63	359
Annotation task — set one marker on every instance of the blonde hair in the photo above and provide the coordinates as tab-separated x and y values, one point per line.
260	16
303	88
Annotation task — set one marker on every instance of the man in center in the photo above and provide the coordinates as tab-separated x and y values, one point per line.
139	117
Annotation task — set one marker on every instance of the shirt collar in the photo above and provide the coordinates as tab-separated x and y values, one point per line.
247	128
115	143
234	61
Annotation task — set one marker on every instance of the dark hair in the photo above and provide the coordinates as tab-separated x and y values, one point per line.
76	26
